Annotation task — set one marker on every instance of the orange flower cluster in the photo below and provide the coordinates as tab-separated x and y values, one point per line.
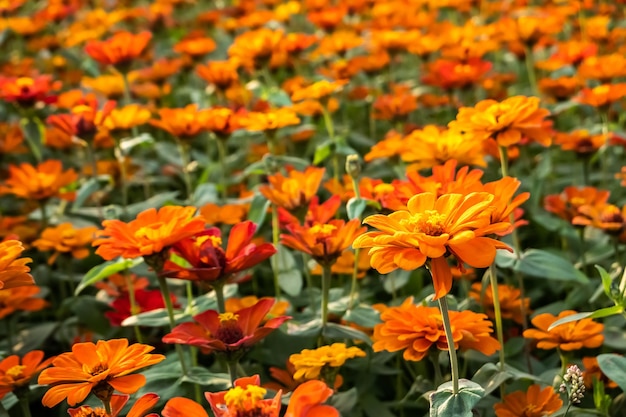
64	238
431	229
575	335
416	329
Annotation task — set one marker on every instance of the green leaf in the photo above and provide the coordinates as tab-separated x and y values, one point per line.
205	193
202	376
345	401
603	312
323	151
104	270
355	207
32	133
339	331
258	209
444	403
606	280
88	188
614	367
307	328
363	315
289	276
490	377
542	264
156	201
156	318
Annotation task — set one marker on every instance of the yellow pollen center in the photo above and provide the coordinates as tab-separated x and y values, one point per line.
226	317
216	241
244	399
15	372
148	231
324	230
25	82
431	222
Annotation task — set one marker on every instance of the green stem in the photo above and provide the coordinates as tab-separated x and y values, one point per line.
44	213
25	406
530	68
165	292
133	304
447	326
107	407
183	150
493	278
326	276
9	330
232	371
275	240
128	100
219	295
354	288
119	155
330	128
221	151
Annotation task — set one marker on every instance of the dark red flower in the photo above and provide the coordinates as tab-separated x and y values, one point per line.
209	262
145	300
227	332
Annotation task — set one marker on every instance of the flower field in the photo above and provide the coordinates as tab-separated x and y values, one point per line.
312	208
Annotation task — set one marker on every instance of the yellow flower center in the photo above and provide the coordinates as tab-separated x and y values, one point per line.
15	372
226	317
244	399
601	89
430	222
25	82
216	241
323	230
148	232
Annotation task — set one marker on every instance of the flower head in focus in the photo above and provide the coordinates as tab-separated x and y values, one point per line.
574	335
99	368
533	402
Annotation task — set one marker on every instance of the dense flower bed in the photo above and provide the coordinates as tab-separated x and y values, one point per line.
311	208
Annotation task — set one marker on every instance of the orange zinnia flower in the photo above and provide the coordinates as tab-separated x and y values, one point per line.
608	217
270	121
227	333
431	229
13	271
295	190
246	398
319	90
65	239
20	299
183	407
195	45
221	74
566	205
396	106
149	234
581	141
323	241
307	399
574	335
44	181
431	146
11	139
181	123
225	214
16	372
506	122
118	49
416	328
118	402
603	95
222	121
127	117
510	302
97	368
533	402
234	304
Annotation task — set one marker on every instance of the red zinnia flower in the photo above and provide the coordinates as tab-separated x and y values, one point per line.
209	262
227	332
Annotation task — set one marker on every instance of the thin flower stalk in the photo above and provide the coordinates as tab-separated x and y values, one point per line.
133	304
493	279
454	364
165	291
183	150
